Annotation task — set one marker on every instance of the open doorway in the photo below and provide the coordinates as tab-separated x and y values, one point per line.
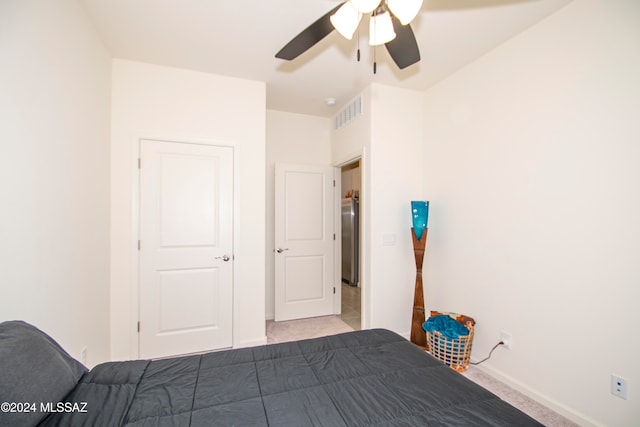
350	217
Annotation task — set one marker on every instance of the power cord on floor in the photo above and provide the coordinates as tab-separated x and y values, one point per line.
487	358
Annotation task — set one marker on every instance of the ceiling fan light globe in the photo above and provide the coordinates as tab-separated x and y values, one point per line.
405	10
365	6
346	20
381	29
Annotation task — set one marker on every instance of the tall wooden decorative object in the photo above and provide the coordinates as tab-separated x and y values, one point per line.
420	219
418	335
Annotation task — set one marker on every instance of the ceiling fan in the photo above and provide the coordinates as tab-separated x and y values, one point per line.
388	24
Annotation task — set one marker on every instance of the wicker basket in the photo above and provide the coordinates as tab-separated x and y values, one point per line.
456	353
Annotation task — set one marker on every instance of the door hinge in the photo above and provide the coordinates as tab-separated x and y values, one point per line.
138	326
334	182
334	236
334	290
138	244
139	163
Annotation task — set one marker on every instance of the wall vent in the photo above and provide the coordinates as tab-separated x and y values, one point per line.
349	113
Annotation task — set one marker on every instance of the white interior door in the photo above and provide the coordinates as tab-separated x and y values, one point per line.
305	278
186	259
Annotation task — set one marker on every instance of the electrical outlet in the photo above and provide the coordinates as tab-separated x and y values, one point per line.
505	337
83	355
619	386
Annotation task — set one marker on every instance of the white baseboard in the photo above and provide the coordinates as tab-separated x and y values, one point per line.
543	399
251	343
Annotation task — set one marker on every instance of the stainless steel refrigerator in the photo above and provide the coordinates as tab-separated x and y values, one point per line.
350	240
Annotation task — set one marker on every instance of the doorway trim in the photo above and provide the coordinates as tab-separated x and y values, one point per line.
134	342
365	319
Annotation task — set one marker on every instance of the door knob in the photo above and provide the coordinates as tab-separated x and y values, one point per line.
280	250
224	257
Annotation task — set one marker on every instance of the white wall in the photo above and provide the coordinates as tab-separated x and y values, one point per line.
392	174
351	181
55	80
151	101
349	141
291	138
531	166
388	139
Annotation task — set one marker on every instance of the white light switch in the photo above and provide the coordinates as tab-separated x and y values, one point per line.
388	239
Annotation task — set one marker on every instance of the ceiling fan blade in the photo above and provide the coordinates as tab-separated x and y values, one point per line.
404	48
309	37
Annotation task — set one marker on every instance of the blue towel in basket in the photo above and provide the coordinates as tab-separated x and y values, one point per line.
446	325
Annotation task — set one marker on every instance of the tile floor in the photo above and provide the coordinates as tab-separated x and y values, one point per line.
351	306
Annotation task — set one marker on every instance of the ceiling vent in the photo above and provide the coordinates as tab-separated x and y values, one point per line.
349	113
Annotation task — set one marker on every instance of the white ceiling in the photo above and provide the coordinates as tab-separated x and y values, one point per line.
240	38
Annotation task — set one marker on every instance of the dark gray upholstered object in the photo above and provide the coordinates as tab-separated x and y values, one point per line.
33	369
361	378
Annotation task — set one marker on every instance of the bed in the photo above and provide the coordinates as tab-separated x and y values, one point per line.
361	378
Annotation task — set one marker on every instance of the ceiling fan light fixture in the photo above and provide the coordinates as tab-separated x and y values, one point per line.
405	10
365	6
346	20
381	29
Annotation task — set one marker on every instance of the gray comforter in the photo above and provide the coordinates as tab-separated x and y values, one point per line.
371	377
363	378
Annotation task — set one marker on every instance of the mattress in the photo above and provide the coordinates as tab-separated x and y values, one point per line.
361	378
